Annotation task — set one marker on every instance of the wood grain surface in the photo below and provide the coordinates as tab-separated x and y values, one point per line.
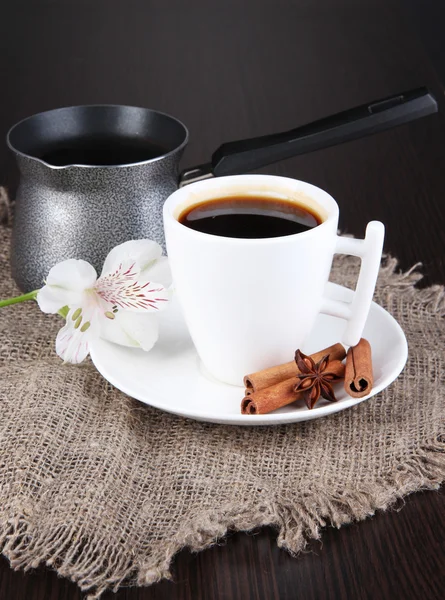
231	70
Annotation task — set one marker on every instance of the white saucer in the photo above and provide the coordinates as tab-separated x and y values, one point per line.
172	378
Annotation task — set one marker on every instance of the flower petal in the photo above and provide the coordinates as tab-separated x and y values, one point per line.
159	271
72	274
121	289
52	299
136	330
141	253
65	285
74	339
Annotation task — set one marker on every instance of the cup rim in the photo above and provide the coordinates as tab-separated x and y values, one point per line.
172	202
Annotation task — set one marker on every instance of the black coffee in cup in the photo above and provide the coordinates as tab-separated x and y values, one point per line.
249	217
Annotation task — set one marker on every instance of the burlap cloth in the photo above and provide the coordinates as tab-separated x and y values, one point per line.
106	490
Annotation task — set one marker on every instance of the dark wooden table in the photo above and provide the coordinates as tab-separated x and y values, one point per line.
230	70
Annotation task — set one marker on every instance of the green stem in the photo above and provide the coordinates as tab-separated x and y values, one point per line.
17	299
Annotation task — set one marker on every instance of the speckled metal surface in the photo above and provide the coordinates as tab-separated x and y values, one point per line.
83	212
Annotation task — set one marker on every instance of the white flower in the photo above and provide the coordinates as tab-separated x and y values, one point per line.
119	306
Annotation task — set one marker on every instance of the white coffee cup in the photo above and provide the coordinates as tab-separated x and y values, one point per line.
250	303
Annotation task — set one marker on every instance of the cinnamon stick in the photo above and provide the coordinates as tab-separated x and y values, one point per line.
268	377
358	374
268	399
280	394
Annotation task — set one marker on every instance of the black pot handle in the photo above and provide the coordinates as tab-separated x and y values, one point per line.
246	155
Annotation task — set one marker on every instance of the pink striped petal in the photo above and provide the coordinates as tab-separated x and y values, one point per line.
121	289
74	339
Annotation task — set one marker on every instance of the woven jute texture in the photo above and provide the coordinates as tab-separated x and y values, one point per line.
107	490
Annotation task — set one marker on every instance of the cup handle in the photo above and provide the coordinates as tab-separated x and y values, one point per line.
356	312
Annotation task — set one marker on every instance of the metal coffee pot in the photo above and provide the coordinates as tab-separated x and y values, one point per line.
95	176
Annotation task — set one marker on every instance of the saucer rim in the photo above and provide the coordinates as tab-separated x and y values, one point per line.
270	418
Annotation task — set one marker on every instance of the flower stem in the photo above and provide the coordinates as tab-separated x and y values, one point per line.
17	299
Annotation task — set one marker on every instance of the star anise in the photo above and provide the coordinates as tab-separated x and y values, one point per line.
315	379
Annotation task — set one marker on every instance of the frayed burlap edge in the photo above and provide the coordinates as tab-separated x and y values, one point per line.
297	518
294	518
